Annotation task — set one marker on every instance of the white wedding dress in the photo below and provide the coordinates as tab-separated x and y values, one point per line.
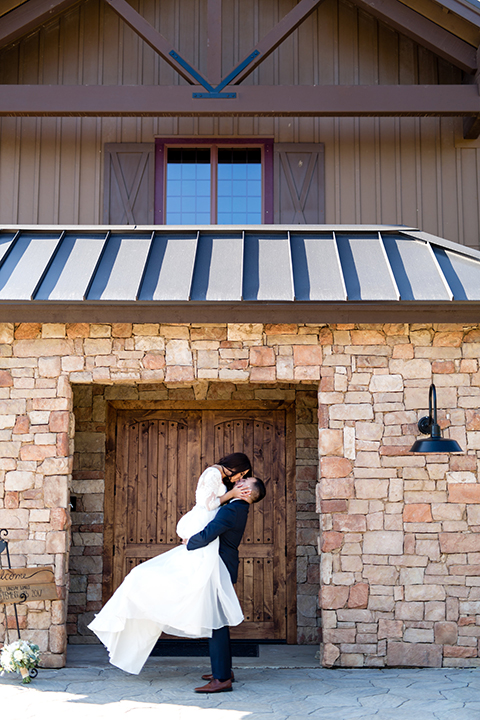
184	593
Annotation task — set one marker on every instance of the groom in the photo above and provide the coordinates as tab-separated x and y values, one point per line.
228	525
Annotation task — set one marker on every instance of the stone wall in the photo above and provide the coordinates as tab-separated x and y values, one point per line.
90	402
400	533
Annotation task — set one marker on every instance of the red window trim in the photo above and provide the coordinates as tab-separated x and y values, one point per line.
266	145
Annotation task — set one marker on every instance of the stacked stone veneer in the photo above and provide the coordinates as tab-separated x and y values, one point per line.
400	533
86	562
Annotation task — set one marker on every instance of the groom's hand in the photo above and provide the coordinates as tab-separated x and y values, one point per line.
185	541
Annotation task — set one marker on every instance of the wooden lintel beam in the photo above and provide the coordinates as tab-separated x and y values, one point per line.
152	37
278	34
242	312
29	16
251	101
423	31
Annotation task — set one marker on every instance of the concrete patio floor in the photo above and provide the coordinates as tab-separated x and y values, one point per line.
284	683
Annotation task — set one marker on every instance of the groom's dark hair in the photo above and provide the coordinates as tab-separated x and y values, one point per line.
258	490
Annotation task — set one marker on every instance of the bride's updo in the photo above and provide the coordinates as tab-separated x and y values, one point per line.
236	463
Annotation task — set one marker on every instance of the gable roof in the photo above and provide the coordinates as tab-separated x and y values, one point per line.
236	274
22	17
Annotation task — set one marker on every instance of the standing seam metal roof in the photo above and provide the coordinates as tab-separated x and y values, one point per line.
259	264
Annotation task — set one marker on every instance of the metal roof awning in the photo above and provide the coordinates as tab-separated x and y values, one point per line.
235	274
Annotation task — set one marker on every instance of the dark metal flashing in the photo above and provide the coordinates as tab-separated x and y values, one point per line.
266	273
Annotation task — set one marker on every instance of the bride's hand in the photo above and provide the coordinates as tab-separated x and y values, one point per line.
241	491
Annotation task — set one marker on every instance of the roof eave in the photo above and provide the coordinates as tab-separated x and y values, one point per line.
240	312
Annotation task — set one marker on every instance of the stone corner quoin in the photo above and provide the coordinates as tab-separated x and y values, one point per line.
398	534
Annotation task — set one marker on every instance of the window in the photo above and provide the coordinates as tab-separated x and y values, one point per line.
192	181
208	183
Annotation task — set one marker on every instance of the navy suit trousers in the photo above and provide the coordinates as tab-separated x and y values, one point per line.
221	653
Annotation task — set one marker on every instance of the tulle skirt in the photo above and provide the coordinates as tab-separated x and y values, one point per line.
183	593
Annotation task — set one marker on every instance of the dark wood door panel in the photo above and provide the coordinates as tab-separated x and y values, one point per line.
159	456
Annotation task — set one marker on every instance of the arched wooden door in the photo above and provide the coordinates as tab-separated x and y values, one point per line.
159	456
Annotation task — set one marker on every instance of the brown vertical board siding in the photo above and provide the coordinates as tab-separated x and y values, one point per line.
367	49
469	168
51	169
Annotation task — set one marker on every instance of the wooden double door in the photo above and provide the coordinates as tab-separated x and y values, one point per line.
159	456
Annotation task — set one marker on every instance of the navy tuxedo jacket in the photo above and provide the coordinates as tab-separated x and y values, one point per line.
228	525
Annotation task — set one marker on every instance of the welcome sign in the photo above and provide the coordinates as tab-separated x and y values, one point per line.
27	584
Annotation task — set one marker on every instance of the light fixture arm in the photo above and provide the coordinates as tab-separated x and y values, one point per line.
429	425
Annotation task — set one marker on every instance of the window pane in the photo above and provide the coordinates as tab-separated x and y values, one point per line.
188	186
239	187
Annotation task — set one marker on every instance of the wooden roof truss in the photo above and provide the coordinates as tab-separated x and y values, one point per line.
217	96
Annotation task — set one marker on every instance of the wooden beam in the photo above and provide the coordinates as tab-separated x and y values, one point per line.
464	9
243	312
251	101
422	31
214	41
151	36
7	6
29	16
278	34
471	125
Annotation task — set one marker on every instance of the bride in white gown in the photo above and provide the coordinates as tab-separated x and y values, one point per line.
181	593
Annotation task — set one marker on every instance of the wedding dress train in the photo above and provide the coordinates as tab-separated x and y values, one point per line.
183	593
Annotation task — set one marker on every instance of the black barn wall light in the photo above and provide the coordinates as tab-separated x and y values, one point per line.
428	425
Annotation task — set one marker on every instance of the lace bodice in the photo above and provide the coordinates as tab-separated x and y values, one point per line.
210	489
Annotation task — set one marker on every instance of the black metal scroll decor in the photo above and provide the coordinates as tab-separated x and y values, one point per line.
23	597
33	672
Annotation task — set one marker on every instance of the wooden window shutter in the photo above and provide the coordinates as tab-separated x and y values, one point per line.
299	181
128	196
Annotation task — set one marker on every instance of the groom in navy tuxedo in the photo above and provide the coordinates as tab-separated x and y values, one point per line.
228	525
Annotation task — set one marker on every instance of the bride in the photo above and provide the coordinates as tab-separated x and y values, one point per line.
181	593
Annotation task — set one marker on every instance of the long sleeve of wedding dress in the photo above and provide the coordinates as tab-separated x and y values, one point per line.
182	593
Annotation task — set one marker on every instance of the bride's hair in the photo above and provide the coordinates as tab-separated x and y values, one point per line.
236	463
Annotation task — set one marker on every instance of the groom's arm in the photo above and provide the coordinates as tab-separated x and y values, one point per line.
223	520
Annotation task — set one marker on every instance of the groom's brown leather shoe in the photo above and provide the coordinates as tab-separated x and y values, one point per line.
209	676
215	686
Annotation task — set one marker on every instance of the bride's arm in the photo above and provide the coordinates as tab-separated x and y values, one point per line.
240	492
209	488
